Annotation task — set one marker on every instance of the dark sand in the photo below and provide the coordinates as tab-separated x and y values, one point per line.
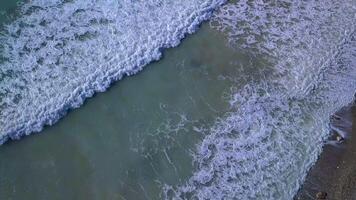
335	170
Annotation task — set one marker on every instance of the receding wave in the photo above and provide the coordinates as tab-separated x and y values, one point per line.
57	53
275	131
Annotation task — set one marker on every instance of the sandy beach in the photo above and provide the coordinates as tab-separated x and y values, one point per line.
335	170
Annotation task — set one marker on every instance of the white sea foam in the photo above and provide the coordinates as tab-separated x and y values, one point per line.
277	126
57	53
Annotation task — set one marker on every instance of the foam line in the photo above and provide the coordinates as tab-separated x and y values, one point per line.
277	126
58	53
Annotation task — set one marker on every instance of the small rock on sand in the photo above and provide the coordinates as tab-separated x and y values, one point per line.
339	138
321	195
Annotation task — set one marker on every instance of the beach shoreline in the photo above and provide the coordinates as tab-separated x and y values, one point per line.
335	170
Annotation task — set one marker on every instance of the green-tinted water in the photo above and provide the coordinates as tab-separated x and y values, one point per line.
8	10
140	135
128	142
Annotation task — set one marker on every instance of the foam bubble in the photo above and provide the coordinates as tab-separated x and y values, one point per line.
275	131
57	53
301	37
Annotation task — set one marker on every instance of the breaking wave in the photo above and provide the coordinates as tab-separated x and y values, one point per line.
278	124
57	53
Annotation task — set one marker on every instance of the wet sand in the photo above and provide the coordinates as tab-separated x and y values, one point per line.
335	170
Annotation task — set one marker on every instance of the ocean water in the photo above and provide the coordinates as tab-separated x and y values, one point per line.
239	110
57	53
130	141
265	146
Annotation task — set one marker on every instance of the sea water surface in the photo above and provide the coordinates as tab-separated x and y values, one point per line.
239	110
128	142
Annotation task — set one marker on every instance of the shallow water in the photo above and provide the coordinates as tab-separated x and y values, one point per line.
55	54
238	110
134	138
264	148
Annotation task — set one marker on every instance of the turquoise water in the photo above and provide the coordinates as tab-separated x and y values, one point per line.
240	109
134	138
8	10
